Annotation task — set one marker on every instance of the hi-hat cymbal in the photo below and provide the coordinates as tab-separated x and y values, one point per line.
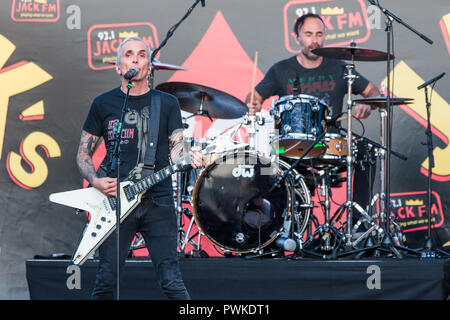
381	101
352	53
158	65
194	97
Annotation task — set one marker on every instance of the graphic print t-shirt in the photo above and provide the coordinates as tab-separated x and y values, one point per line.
103	119
325	82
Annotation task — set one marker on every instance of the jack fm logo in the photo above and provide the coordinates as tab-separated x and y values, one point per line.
104	41
344	20
35	10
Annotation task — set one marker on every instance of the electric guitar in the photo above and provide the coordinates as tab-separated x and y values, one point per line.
102	208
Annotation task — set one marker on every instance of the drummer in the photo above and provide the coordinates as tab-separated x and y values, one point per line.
310	74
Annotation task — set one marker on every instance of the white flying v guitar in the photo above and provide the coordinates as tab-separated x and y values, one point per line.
102	208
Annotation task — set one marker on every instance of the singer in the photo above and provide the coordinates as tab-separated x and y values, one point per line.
155	216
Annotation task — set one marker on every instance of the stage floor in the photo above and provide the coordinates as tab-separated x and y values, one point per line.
255	279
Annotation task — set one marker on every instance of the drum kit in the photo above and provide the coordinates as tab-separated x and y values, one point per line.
255	199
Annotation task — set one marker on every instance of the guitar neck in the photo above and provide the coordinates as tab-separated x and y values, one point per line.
131	191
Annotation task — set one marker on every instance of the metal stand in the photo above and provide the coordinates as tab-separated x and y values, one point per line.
385	204
115	170
252	120
429	251
349	159
170	34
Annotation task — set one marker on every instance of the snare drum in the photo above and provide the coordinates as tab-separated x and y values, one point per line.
300	119
334	155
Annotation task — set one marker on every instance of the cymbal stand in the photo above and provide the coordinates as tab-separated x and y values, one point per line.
349	159
429	251
385	196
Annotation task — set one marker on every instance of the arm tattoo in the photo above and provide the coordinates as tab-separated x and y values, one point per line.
176	146
84	156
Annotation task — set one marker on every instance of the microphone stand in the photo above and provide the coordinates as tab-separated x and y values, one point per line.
115	167
428	251
170	34
385	206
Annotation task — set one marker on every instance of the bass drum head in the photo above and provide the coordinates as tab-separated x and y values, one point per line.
233	207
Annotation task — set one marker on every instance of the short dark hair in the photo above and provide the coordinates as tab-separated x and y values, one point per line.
300	20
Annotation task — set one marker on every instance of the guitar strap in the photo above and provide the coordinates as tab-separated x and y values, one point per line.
153	125
147	155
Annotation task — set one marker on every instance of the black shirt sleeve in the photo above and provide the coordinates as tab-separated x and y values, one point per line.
174	116
93	123
269	86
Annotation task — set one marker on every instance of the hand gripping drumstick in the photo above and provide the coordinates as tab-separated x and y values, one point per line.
252	94
251	118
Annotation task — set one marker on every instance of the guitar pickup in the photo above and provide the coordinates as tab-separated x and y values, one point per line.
129	193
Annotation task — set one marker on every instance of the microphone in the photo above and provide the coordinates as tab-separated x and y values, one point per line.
431	81
130	73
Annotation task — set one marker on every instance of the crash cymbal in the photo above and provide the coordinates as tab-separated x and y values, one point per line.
352	53
158	65
381	101
193	97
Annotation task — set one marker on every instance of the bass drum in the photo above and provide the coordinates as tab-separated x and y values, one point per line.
234	206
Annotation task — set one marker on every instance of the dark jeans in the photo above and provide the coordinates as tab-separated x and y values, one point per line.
156	221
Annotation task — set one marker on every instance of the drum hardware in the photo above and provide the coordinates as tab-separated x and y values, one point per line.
385	204
429	250
252	121
352	53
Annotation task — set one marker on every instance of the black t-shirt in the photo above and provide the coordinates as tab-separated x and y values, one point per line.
104	116
325	82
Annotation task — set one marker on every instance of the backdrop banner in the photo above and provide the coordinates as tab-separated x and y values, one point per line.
55	59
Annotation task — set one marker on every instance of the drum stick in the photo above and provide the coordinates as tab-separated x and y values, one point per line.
252	95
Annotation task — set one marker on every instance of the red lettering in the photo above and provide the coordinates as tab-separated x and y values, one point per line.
36	7
354	19
400	214
113	45
409	212
434	209
52	7
105	48
112	124
341	19
326	21
422	210
97	53
316	86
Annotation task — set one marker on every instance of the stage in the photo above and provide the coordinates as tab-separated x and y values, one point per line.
255	279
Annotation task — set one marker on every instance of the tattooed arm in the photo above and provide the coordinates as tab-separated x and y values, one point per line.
86	166
177	150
